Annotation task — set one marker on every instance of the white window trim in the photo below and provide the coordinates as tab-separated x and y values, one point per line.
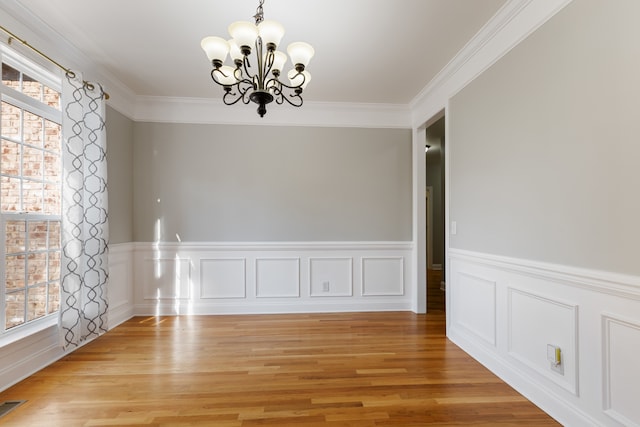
12	96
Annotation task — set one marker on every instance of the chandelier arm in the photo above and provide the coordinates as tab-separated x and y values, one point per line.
227	98
219	71
296	87
246	65
230	96
278	96
294	99
240	79
268	65
246	90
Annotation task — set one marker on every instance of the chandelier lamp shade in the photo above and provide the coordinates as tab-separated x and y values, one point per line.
257	71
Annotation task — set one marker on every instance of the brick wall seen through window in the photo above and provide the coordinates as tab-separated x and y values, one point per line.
30	197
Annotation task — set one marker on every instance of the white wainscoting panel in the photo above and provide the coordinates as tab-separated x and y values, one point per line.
271	277
167	278
621	342
120	287
538	304
278	278
536	321
223	278
475	305
382	276
336	273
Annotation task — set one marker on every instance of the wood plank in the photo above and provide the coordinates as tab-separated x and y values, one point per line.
333	369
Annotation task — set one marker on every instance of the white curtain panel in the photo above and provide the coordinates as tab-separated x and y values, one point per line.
85	229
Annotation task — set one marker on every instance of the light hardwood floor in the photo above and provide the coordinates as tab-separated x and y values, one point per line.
435	295
351	369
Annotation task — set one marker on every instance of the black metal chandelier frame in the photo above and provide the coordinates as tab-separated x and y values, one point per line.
256	87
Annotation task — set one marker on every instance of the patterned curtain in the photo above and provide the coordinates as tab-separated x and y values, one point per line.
85	230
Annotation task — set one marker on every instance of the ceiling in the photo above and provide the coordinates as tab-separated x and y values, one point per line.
367	51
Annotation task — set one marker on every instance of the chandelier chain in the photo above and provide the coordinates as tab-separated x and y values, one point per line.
259	16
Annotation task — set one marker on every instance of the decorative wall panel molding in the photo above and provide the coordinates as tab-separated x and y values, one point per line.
474	305
223	278
167	278
330	277
270	277
382	276
278	277
535	322
621	343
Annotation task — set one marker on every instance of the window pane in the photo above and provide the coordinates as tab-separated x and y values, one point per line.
37	235
54	297
10	158
14	309
15	233
32	162
52	97
14	272
36	268
52	199
51	167
54	235
10	188
11	121
10	77
52	136
32	196
37	305
32	129
54	266
31	87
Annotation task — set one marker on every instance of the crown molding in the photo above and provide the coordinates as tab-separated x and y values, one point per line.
213	111
39	34
514	22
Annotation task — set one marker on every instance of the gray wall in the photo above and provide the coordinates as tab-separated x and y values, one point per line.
266	183
120	176
544	145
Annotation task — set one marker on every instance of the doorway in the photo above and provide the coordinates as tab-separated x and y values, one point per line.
435	215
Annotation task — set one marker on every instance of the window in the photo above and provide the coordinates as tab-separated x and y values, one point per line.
30	193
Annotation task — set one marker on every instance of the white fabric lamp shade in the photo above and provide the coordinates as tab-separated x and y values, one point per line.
271	32
300	53
215	48
296	78
244	33
228	78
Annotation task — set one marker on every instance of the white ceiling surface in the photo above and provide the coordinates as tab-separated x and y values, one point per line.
367	51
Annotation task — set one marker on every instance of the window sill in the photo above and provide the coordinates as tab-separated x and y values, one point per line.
21	332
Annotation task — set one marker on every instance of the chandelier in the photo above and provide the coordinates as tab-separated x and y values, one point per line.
261	84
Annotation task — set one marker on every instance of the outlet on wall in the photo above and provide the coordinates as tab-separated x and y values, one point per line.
554	356
326	286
